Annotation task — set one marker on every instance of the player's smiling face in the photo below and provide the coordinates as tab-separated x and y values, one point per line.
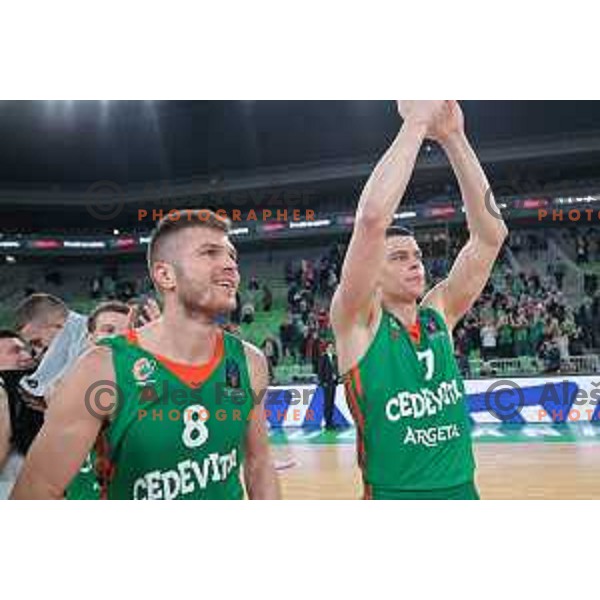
206	270
403	273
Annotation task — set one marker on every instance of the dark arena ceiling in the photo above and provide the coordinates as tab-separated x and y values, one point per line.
53	152
127	141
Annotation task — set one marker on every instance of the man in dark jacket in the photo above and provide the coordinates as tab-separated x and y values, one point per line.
328	377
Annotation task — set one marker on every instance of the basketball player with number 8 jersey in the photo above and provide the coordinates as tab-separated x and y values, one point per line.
402	383
174	409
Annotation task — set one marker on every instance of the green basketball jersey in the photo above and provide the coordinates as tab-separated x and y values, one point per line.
168	440
413	431
85	486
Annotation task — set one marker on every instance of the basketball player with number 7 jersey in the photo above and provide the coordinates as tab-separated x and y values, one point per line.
402	383
174	409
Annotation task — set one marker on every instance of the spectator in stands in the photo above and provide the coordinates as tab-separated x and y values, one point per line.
293	296
267	298
311	347
323	321
248	312
298	334
584	321
550	354
521	335
577	343
472	335
559	274
567	331
289	272
332	281
582	249
286	336
595	308
125	290
95	288
322	275
505	337
552	327
271	352
461	350
489	336
109	287
536	332
328	378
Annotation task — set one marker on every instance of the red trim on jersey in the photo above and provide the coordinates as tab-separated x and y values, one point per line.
351	383
355	374
414	331
358	416
191	375
105	468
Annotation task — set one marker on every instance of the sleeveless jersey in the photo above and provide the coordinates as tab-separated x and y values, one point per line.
85	485
407	399
168	440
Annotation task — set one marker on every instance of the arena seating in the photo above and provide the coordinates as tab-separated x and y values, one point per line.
549	256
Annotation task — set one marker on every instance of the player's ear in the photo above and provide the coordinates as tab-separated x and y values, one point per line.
163	275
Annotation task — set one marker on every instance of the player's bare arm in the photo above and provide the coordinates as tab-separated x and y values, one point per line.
457	293
69	431
5	430
259	473
355	299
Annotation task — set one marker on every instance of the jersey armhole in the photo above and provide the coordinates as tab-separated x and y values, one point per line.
238	344
376	328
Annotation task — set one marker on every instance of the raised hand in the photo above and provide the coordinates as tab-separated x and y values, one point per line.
446	122
420	112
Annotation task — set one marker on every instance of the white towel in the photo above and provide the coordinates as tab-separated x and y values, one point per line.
8	476
64	350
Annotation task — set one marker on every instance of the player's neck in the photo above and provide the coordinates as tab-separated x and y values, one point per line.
405	312
182	339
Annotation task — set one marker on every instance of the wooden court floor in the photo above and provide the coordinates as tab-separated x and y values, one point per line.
517	471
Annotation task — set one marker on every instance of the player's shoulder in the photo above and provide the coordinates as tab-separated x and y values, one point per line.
95	360
430	304
342	321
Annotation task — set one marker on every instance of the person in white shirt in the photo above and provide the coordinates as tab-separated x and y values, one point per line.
489	336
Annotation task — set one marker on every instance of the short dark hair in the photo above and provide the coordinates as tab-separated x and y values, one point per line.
398	231
9	334
178	220
104	307
38	306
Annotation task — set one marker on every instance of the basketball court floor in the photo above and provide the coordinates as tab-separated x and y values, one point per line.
536	461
